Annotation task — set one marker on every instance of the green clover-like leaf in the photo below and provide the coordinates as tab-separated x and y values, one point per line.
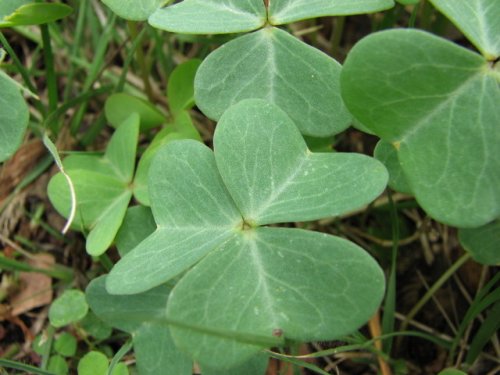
482	242
210	16
274	281
134	10
478	20
287	11
232	16
102	187
273	177
140	315
437	103
14	117
271	64
246	283
22	12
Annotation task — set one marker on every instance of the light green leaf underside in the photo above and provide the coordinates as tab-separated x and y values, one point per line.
119	107
14	117
180	88
36	14
440	103
309	285
273	177
210	16
271	64
483	243
137	225
478	20
186	190
135	10
388	155
287	11
141	315
122	148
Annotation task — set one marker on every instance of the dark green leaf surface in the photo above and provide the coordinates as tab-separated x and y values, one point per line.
438	104
122	148
287	11
137	225
140	314
180	89
14	117
388	155
483	242
127	313
210	16
271	64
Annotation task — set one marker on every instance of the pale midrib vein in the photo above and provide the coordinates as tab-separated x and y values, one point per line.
261	273
284	185
272	70
225	8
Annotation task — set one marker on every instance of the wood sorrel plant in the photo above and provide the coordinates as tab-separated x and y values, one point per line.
246	285
249	279
217	269
435	106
